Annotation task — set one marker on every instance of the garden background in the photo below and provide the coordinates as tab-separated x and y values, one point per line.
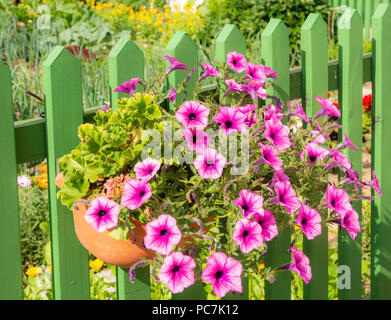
30	29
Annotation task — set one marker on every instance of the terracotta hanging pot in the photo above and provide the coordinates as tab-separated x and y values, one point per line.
112	251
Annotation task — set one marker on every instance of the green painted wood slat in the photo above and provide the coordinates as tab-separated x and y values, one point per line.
185	50
350	99
64	113
314	46
275	53
381	151
126	61
10	250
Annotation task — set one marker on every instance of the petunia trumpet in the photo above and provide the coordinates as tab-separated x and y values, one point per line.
177	271
224	273
102	214
162	234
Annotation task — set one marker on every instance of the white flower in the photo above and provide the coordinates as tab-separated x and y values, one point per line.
24	181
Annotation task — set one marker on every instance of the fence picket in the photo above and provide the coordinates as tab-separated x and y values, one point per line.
10	254
185	50
64	113
381	151
350	99
126	61
229	39
275	53
314	46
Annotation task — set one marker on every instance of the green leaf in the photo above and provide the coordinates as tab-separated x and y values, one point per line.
121	232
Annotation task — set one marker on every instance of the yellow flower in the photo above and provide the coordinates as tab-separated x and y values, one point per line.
96	264
297	228
262	298
261	267
50	268
33	271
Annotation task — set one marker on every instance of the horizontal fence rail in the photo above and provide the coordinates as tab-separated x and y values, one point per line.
55	135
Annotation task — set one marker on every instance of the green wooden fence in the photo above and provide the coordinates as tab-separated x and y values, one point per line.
55	136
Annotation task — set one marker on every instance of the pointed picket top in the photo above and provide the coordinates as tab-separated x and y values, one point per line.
349	19
185	50
275	54
229	39
126	61
314	51
63	95
381	152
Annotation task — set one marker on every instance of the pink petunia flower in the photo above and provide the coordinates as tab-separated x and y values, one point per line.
337	200
193	114
347	143
249	111
162	234
136	192
320	137
374	184
350	221
128	86
280	176
209	71
269	72
300	264
231	120
277	134
248	108
314	152
309	221
249	203
340	160
269	155
255	73
255	90
177	272
232	86
174	65
197	140
24	181
268	224
299	112
247	234
236	61
210	164
352	177
102	214
272	112
286	196
224	273
172	95
328	108
147	169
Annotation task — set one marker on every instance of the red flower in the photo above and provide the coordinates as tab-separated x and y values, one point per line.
75	50
367	102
